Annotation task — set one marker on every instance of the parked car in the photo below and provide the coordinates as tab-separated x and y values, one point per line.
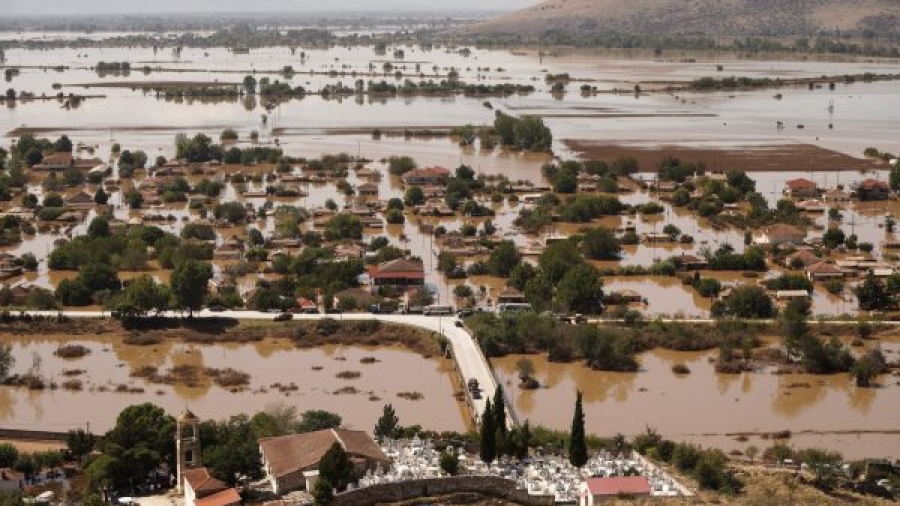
465	313
283	317
217	308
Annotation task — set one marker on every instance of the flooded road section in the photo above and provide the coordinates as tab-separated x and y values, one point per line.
705	407
279	373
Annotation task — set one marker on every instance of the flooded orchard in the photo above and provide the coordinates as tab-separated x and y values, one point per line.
94	388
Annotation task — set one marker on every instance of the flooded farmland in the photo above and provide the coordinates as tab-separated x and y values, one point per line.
109	379
714	409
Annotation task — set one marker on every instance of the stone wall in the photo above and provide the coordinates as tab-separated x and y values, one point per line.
432	487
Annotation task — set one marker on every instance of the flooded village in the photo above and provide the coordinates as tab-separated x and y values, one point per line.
699	246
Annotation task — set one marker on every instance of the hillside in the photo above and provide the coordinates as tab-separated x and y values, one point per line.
710	17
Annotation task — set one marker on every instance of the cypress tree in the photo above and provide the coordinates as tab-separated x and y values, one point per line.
388	424
499	413
526	439
488	434
577	446
335	467
499	410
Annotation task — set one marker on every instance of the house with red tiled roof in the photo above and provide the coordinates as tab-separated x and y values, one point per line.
80	200
304	305
367	190
803	258
399	272
510	295
428	176
823	270
777	235
598	490
201	489
872	189
289	460
55	161
801	188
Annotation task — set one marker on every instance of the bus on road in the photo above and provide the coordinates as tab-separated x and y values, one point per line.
436	310
513	307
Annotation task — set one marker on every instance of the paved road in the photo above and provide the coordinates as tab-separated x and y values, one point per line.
469	359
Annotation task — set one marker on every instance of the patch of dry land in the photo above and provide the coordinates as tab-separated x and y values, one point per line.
749	158
670	17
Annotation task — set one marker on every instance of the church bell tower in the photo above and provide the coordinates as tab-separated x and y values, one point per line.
187	445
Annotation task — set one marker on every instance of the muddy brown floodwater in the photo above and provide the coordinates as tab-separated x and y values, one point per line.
308	378
710	408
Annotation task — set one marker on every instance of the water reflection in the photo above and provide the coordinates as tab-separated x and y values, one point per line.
703	402
269	362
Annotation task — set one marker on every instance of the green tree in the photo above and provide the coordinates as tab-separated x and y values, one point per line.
323	492
399	165
449	463
872	294
387	424
264	425
232	212
142	439
8	455
317	419
394	217
894	179
343	226
578	456
80	442
141	296
825	464
97	277
7	360
335	467
870	365
63	144
557	259
499	413
748	301
795	327
601	244
234	452
99	227
54	200
190	284
833	238
414	196
580	289
504	258
134	199
101	197
488	433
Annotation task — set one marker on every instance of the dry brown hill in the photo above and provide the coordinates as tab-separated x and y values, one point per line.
711	17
